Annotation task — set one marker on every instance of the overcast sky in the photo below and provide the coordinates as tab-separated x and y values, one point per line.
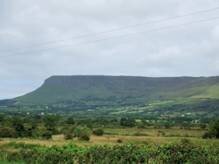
40	38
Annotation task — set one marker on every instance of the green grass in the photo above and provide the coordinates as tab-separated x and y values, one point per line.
127	135
210	92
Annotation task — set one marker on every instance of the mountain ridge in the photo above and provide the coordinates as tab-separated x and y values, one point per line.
105	88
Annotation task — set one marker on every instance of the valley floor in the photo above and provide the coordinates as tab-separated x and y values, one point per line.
115	136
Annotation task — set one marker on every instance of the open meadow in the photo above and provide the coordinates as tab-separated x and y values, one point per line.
149	146
114	136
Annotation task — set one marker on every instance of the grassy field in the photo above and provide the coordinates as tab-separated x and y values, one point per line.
109	140
117	145
114	136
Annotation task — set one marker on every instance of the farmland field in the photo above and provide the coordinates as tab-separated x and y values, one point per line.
126	135
145	142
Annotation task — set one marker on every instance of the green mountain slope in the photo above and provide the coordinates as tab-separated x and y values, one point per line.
89	91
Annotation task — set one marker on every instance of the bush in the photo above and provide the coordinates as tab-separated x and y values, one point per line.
47	135
98	132
83	133
214	128
207	135
181	153
69	136
84	137
7	132
19	128
119	141
213	131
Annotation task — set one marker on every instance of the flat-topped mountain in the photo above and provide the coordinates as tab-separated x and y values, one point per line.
120	90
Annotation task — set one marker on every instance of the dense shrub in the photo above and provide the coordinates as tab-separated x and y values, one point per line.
7	132
207	135
183	152
213	131
98	132
82	133
47	135
84	137
214	128
68	136
19	128
119	140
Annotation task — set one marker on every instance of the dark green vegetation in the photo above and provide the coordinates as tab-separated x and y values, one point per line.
186	98
213	131
43	127
183	152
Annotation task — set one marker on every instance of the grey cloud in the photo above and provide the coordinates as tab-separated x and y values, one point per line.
27	26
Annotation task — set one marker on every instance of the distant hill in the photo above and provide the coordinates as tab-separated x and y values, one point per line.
88	91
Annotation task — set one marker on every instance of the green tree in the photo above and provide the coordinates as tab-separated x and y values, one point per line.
19	127
50	122
214	128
